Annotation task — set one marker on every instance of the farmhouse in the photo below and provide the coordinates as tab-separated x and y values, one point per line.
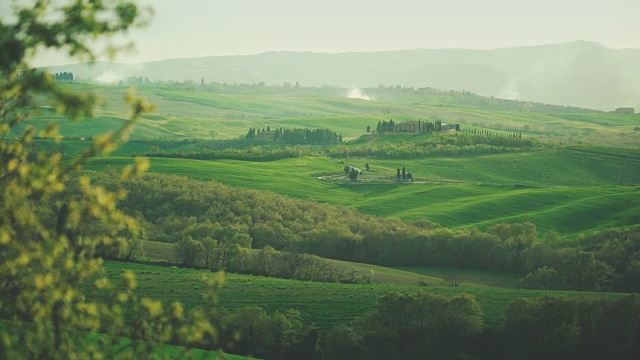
625	110
450	127
265	135
413	126
409	126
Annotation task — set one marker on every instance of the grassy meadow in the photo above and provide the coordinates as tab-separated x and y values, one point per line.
438	277
562	190
580	179
324	304
193	113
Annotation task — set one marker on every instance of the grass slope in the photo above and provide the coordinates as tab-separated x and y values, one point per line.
154	250
468	277
193	113
567	191
321	303
566	210
288	177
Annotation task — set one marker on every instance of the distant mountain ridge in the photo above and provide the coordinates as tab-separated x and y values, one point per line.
584	74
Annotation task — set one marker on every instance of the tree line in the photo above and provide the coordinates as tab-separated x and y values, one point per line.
296	136
457	144
419	126
256	149
170	208
252	153
423	325
63	76
229	255
493	134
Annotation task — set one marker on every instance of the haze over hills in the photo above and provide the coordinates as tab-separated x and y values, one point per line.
584	74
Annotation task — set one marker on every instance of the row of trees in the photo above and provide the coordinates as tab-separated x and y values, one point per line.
424	325
492	134
436	146
63	76
457	144
297	136
262	149
230	256
252	153
413	126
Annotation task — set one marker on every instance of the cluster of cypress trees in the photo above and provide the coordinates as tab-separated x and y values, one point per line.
297	136
419	126
487	133
63	76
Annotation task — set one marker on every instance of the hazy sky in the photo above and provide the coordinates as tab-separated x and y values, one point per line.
191	28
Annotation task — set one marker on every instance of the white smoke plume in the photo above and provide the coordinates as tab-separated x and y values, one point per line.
108	77
119	72
356	93
509	90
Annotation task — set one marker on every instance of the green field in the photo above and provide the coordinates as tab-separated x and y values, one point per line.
288	177
466	277
568	189
325	304
564	190
192	113
437	277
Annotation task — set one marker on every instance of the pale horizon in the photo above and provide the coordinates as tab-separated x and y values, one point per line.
126	59
248	27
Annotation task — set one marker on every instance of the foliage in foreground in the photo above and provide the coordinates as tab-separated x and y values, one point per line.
49	245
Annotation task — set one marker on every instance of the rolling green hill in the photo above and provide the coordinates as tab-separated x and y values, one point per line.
576	73
569	189
193	112
433	276
566	191
325	304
